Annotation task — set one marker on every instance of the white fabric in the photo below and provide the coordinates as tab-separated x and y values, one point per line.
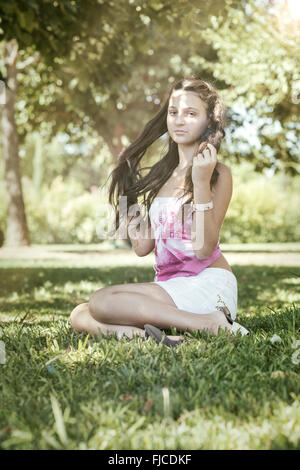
203	293
237	328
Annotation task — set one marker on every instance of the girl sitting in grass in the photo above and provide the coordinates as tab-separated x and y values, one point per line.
188	194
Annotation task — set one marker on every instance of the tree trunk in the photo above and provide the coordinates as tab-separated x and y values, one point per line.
38	163
16	229
118	132
112	137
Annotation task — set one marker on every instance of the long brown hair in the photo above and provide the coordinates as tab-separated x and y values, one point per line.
127	179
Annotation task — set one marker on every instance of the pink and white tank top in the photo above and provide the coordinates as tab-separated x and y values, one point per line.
174	254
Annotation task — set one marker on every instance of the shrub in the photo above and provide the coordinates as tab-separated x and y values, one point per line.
262	210
62	213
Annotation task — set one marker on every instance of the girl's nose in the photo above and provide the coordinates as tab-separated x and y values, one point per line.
179	118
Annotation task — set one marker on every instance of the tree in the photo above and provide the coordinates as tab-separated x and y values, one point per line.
101	67
25	26
259	63
17	231
60	36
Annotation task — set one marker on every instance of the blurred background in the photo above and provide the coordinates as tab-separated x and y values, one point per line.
79	79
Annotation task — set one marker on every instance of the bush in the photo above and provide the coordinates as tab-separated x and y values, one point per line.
62	213
262	210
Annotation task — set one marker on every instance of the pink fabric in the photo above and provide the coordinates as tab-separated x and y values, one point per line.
174	254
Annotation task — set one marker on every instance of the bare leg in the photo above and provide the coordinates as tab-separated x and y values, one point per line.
81	320
137	309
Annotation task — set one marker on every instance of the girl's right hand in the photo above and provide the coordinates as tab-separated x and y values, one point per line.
133	222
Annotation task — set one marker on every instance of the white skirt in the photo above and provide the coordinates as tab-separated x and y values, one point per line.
203	293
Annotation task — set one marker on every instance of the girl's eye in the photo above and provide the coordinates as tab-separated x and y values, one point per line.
174	112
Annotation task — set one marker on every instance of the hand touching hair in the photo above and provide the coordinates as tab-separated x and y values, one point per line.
127	179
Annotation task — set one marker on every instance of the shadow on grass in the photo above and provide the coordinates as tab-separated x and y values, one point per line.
197	376
268	322
260	288
110	384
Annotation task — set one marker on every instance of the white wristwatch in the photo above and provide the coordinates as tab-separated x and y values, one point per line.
202	207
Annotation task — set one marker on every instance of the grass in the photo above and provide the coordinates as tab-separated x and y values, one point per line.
64	390
236	247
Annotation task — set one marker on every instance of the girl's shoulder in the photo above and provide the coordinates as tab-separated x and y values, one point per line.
221	167
225	176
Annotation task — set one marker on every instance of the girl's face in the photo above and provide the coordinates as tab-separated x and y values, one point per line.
187	118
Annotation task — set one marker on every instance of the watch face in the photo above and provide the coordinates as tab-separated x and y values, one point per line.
204	207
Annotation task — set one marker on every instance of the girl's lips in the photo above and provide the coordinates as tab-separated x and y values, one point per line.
180	132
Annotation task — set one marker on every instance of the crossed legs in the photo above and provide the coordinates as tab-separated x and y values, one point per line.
82	320
126	308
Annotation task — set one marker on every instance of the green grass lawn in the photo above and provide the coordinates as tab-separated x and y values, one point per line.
64	390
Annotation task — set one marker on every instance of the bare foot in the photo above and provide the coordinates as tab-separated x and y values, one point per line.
175	338
218	320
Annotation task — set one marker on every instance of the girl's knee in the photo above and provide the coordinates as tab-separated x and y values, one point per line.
76	314
99	304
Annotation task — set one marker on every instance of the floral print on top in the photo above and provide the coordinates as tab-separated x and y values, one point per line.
174	254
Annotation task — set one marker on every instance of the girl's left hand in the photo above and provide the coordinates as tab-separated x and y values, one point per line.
204	163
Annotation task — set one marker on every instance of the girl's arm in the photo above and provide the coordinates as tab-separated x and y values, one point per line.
210	222
142	246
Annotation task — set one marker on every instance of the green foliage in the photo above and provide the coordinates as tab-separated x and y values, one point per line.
256	54
121	57
88	162
61	213
262	209
113	73
103	43
49	26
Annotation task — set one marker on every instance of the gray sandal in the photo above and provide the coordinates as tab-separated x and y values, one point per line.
157	335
